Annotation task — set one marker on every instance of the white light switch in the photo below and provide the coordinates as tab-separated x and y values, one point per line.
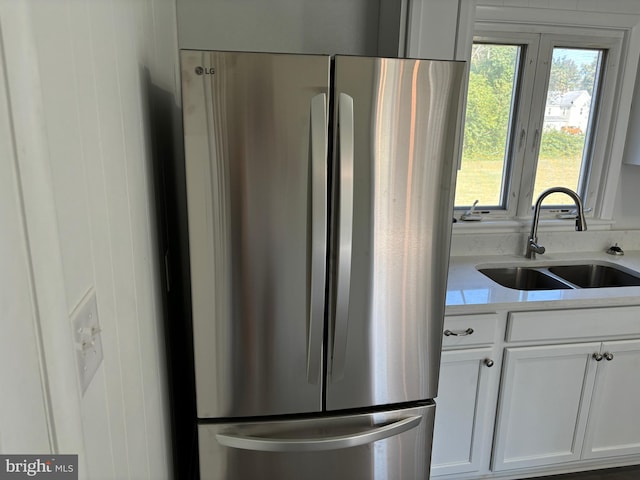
87	339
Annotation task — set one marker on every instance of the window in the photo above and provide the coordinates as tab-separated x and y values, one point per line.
537	116
563	156
493	82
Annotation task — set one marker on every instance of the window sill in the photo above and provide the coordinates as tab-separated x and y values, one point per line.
524	225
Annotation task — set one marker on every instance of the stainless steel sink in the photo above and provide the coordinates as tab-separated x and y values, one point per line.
524	278
596	276
555	277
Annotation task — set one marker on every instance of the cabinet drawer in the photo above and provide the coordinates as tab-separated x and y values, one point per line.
573	323
462	330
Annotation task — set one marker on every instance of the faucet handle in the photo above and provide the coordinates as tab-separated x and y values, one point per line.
534	247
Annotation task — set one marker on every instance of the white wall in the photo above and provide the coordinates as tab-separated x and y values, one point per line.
627	212
627	209
93	58
292	26
23	407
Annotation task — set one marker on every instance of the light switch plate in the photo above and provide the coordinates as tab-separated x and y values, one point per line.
87	339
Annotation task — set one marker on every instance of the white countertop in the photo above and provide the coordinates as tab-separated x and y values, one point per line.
469	291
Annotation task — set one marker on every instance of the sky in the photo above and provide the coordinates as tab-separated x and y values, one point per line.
580	56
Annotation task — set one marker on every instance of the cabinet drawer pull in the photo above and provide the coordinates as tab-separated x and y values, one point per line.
488	362
597	356
458	333
608	356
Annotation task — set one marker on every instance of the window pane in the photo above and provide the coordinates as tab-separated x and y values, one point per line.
567	116
490	100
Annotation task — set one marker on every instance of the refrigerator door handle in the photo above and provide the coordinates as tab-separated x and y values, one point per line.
318	151
265	444
346	158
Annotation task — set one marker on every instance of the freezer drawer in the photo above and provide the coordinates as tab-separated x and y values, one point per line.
388	445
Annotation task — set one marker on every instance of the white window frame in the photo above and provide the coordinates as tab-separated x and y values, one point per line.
602	127
620	35
539	42
513	159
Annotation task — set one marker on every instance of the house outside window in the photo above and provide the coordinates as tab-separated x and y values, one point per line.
568	111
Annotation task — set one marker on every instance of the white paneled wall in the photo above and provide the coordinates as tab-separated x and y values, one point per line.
23	408
93	59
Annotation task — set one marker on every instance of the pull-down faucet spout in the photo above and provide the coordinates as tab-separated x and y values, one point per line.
581	224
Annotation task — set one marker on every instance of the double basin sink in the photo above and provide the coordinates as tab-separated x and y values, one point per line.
554	277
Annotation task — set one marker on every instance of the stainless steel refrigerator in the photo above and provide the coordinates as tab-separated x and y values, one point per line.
319	195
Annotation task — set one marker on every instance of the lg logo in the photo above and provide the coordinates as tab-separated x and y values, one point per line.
205	71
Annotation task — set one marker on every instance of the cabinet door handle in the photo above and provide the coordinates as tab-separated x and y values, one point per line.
458	333
488	362
608	356
597	356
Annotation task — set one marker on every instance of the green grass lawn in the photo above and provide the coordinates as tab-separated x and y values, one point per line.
481	179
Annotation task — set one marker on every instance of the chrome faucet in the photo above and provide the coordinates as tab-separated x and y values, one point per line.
581	224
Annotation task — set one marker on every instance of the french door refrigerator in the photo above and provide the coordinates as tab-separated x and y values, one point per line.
319	195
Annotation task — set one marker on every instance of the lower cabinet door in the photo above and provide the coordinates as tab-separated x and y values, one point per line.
463	426
614	421
544	404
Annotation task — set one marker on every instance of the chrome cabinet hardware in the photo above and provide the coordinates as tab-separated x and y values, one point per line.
488	362
606	355
458	333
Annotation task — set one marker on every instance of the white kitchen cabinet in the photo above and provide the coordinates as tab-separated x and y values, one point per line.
568	402
544	404
614	421
463	410
561	396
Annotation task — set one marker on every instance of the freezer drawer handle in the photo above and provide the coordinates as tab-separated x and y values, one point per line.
247	442
458	333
